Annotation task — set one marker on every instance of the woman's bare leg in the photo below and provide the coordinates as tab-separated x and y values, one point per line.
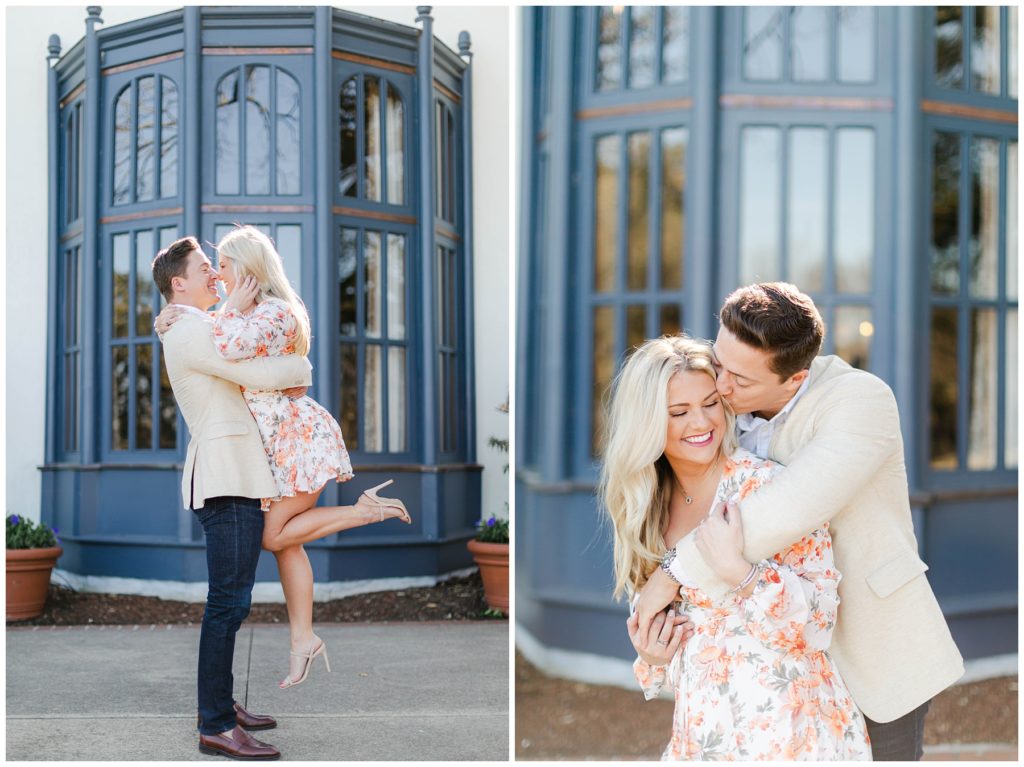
294	521
297	582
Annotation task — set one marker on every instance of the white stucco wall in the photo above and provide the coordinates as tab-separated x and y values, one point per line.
26	34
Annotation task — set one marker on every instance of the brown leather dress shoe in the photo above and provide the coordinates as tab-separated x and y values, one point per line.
240	745
249	721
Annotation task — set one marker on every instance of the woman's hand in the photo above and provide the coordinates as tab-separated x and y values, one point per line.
243	297
668	632
719	539
167	317
657	594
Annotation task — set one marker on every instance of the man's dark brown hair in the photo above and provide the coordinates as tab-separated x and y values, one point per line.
172	261
777	318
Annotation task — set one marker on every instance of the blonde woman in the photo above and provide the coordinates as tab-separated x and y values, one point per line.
263	316
751	672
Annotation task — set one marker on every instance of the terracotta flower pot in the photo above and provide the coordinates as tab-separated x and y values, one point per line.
492	559
28	578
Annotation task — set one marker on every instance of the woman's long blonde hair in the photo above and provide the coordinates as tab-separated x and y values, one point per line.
254	254
636	479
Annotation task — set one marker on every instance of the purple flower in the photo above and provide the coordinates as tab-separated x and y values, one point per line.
15	519
55	531
490	522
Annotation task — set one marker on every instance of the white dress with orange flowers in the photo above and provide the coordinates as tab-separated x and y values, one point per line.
755	680
302	440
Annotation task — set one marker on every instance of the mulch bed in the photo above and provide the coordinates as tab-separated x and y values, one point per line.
453	600
563	719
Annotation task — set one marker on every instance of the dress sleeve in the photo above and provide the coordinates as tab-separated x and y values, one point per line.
240	336
795	600
651	678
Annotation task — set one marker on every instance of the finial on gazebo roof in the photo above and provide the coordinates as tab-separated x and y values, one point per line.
93	18
423	11
53	47
464	44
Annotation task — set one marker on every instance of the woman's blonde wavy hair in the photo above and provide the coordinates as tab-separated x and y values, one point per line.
636	479
254	254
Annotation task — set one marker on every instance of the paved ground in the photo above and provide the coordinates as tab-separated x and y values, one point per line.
400	691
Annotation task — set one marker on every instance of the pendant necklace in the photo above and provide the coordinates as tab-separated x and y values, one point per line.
686	496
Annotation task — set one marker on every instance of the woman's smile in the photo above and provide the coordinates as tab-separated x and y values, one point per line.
700	440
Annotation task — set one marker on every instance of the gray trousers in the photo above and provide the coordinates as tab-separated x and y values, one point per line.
901	740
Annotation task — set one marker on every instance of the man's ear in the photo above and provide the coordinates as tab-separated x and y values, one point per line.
797	379
176	285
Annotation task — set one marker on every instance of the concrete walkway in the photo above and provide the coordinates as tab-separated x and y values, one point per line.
400	691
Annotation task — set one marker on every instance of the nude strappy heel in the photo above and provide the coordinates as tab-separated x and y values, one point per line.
384	503
321	649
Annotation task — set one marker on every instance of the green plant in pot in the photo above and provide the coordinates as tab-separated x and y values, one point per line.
32	553
490	546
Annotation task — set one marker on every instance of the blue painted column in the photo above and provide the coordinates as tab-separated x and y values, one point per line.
191	217
325	392
467	243
554	365
428	322
53	357
907	238
90	263
700	277
523	299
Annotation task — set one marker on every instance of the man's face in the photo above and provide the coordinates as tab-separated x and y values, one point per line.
745	380
198	287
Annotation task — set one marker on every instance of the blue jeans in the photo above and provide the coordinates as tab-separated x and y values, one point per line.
234	529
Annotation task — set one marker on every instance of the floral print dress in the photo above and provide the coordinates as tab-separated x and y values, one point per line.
302	440
755	680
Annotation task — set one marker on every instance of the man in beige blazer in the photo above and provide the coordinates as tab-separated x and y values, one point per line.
226	473
836	429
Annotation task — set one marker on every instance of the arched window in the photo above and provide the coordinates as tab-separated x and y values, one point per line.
264	137
372	159
146	141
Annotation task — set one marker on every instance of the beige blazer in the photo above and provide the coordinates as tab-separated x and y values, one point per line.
843	453
225	453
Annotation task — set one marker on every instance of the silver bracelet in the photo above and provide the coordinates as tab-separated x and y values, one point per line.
746	581
666	563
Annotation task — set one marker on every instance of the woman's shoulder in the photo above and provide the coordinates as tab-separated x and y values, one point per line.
742	466
274	307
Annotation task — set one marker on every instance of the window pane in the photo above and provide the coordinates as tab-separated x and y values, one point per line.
143	397
70	402
396	147
637	244
122	266
396	286
348	119
854	214
949	54
759	204
372	284
856	62
671	320
145	252
762	43
810	37
1011	57
72	291
983	244
609	48
636	326
119	388
606	211
288	134
641	46
372	137
439	181
168	138
806	214
227	134
944	389
396	400
168	411
604	368
145	138
167	235
289	246
983	382
1011	220
985	50
373	404
675	45
347	260
70	166
853	331
1012	391
123	148
348	414
257	130
946	213
673	211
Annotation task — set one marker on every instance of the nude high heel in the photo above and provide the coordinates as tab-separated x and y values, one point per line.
320	649
384	503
